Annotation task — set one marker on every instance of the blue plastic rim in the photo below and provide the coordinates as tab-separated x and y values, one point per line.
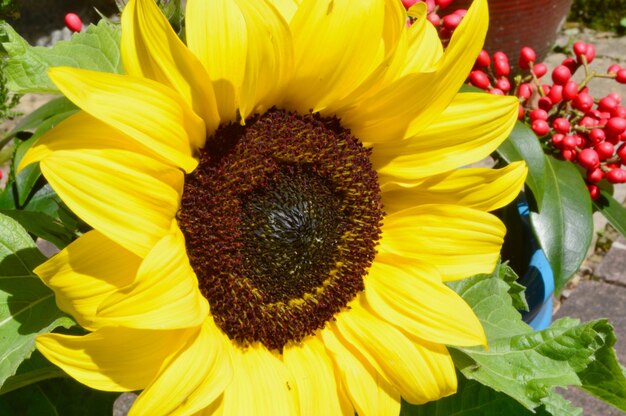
538	280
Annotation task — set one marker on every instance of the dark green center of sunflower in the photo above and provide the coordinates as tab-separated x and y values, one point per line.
281	219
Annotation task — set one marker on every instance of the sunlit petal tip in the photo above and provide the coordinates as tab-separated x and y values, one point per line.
153	114
145	54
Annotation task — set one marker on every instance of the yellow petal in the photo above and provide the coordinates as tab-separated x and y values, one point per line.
459	241
85	273
128	197
217	35
425	49
478	188
312	369
392	52
287	8
369	393
150	113
150	48
411	296
261	385
112	359
77	132
468	130
411	103
419	373
269	58
337	46
191	380
165	294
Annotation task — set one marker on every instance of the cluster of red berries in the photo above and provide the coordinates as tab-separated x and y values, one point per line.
569	121
445	24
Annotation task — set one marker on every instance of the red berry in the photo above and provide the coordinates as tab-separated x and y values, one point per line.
570	90
569	155
561	74
621	152
607	103
556	94
538	114
546	88
503	84
588	121
583	102
73	22
460	12
520	114
524	91
594	191
445	33
605	150
570	63
596	135
561	125
588	158
540	70
615	96
451	21
580	48
479	79
613	69
591	53
540	127
569	142
430	5
496	91
483	59
616	175
615	126
619	111
621	76
501	67
500	56
557	140
526	56
545	103
443	3
434	19
595	175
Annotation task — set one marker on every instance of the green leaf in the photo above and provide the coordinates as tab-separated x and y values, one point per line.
97	49
489	296
604	377
58	397
471	399
613	211
50	109
27	306
43	226
32	370
522	144
563	224
527	365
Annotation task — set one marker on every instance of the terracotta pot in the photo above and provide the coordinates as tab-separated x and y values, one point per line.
517	23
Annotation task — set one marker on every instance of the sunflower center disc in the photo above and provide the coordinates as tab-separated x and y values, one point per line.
281	219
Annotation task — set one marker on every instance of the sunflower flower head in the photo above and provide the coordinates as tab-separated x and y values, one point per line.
276	205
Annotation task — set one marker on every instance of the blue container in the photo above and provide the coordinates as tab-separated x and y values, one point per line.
538	280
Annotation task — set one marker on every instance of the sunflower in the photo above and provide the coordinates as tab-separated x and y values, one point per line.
275	207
